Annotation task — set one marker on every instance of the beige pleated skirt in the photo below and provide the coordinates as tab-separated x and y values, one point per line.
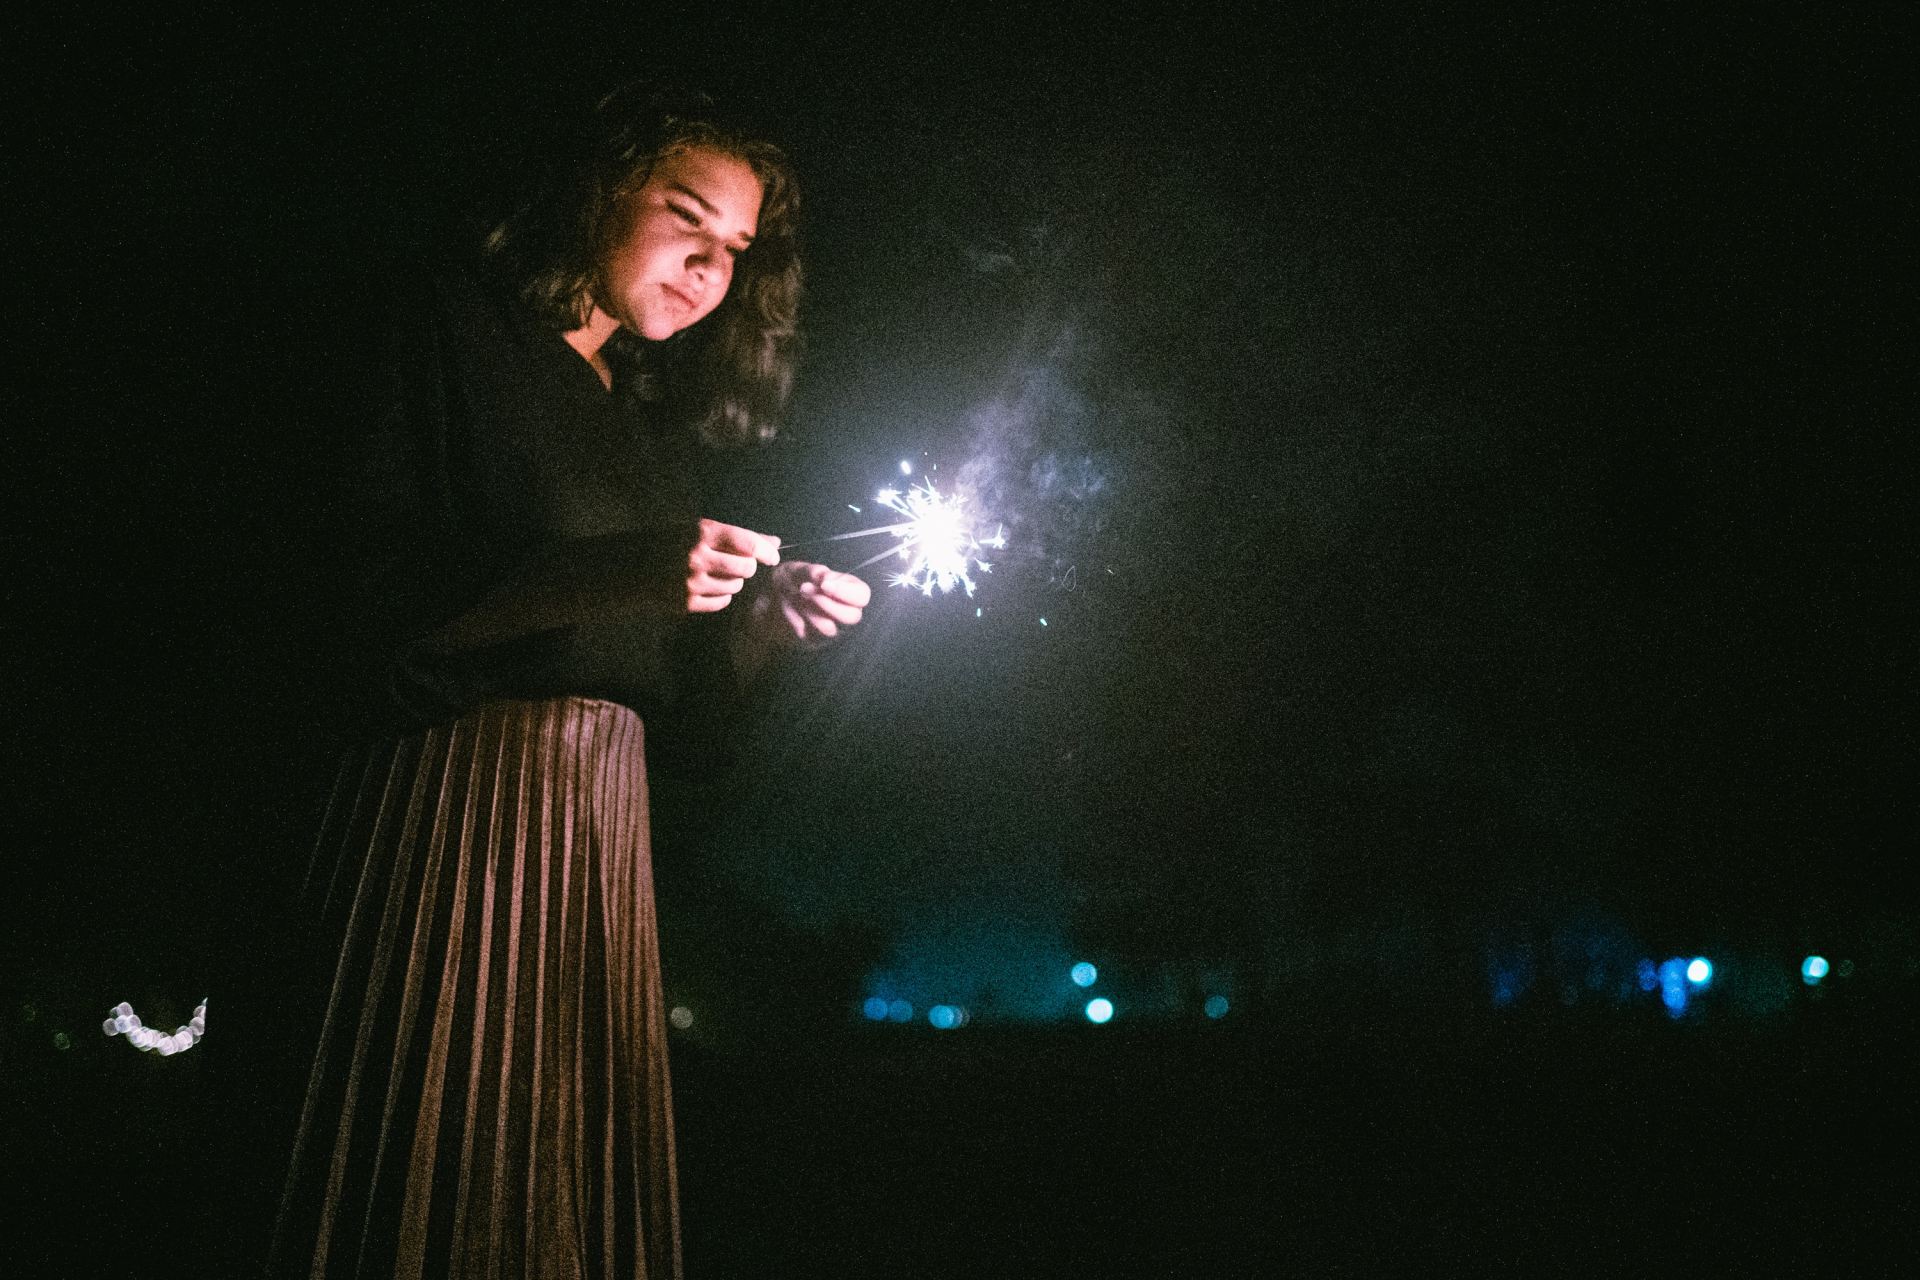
489	1094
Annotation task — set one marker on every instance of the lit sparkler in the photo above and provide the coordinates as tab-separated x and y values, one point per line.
935	539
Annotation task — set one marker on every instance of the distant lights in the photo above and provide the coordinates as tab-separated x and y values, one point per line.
1812	969
899	1011
875	1009
1700	971
945	1017
1084	974
1216	1007
1099	1009
1673	986
681	1017
1649	974
123	1021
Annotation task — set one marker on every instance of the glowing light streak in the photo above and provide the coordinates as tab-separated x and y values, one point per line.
942	551
123	1021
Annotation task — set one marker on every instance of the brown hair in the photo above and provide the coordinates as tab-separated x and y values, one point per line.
731	374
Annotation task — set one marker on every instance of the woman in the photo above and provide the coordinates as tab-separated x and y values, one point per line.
539	604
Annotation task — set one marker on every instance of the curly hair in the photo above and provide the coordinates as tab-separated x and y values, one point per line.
731	374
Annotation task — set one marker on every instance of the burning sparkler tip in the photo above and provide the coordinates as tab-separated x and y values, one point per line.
935	539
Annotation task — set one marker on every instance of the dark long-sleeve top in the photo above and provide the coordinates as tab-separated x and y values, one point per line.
512	529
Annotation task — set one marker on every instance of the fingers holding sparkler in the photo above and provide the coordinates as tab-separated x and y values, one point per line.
721	561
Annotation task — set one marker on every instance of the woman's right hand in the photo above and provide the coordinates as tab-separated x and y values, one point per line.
720	563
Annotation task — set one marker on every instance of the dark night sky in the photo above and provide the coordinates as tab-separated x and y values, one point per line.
1457	457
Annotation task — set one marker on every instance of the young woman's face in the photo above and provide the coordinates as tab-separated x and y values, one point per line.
698	212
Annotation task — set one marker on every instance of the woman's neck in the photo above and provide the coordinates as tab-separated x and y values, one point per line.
590	340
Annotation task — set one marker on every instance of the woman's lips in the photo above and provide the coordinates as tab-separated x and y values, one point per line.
679	297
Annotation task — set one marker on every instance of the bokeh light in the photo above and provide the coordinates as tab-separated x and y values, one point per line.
1700	971
1649	974
1099	1009
1812	969
123	1021
1084	974
1673	986
1216	1007
875	1009
944	1017
900	1010
681	1017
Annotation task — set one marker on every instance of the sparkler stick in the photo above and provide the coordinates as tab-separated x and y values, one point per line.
895	527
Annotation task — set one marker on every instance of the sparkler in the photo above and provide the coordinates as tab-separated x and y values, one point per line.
940	547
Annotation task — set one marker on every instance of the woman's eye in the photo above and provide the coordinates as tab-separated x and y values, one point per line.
687	216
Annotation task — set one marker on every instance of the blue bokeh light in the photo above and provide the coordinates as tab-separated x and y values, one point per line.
875	1009
1084	974
900	1010
944	1017
1700	971
1673	986
1099	1009
1216	1007
1649	974
1812	969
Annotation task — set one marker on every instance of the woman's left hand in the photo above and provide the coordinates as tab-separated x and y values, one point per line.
807	605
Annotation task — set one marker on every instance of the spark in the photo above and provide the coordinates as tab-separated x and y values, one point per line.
941	549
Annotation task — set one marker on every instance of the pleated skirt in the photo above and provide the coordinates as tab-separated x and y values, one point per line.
489	1094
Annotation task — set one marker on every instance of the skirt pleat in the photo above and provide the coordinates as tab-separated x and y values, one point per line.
489	1094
